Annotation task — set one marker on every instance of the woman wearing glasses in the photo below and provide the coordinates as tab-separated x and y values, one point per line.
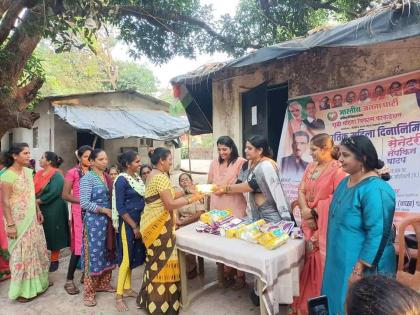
359	239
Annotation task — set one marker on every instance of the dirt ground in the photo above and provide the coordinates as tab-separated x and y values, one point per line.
56	301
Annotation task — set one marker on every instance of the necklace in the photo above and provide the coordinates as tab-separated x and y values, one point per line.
315	174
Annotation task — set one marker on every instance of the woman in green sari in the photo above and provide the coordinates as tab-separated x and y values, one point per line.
29	261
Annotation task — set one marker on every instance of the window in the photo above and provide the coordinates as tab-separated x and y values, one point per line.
146	142
10	139
35	143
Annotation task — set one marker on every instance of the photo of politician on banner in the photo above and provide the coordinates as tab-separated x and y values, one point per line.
387	111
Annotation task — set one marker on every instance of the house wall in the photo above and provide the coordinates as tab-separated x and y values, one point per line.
317	70
45	125
125	100
113	149
56	135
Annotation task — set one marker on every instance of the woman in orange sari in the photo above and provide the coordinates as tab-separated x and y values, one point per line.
315	194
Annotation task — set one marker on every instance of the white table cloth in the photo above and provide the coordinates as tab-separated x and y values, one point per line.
277	269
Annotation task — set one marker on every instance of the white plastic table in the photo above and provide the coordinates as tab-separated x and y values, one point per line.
277	271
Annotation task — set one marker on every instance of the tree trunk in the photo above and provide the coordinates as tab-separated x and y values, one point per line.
14	98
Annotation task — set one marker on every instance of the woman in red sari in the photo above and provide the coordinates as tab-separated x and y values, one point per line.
4	253
315	194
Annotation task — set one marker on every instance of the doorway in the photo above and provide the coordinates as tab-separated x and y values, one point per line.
88	138
263	112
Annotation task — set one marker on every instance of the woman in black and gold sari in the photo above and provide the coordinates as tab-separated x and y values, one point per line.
160	290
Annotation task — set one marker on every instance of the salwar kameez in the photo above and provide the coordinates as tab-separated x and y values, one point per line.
97	261
160	290
29	261
359	229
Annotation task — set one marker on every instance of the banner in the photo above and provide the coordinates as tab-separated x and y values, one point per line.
387	111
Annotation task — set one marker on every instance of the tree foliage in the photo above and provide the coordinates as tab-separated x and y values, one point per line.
157	29
81	71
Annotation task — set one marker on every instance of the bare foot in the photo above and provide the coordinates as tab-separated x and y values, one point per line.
120	304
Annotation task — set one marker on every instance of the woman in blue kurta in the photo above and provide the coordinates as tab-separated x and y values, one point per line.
359	239
98	248
127	207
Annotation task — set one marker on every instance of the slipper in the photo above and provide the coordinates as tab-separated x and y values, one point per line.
22	299
71	288
90	302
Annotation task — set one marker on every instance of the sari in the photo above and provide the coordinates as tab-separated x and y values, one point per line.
29	260
221	174
4	253
265	178
160	290
318	195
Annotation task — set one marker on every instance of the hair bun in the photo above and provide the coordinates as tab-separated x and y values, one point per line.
150	152
380	164
60	160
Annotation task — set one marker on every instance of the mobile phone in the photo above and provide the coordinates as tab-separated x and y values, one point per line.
318	306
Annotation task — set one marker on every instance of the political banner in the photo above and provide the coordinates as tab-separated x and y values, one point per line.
387	111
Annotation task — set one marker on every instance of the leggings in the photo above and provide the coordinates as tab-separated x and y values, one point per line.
124	274
74	260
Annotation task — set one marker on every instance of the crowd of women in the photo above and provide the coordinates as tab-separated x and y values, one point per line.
127	217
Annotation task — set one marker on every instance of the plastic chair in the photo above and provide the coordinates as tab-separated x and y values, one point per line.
406	278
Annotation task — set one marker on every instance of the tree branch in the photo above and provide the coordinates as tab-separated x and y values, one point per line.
27	94
158	19
9	19
21	45
17	120
328	5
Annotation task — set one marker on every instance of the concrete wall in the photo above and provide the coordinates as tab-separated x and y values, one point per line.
320	69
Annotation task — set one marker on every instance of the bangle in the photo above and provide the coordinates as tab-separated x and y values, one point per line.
357	272
227	188
100	210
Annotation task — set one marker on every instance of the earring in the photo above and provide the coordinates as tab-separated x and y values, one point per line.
363	169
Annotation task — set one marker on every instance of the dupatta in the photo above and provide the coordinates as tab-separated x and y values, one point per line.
135	183
42	178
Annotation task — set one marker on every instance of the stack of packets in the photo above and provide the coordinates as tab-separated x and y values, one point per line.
221	222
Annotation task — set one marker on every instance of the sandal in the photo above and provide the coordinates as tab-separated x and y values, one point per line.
120	305
228	282
130	293
90	302
71	288
240	283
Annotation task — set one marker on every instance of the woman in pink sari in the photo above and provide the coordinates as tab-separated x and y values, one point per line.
224	170
315	194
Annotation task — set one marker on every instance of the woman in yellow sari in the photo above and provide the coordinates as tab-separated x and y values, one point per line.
160	289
